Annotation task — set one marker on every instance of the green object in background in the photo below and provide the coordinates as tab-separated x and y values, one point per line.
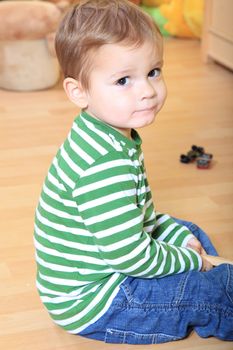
159	19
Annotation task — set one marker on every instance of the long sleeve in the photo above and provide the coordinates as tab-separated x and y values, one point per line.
110	201
169	231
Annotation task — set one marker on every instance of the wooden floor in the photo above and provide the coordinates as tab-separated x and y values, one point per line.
199	111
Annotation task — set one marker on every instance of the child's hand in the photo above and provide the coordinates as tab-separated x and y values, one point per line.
196	245
206	265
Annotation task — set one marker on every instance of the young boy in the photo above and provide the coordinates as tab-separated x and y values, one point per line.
110	267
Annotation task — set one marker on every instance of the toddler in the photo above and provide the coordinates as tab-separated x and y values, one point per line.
111	267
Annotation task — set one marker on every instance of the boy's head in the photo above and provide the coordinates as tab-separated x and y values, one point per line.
94	23
111	55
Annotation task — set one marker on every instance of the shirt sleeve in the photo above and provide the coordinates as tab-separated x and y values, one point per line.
169	231
107	202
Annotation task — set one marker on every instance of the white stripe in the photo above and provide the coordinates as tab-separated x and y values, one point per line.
136	163
72	257
107	165
130	270
73	295
152	265
69	269
86	157
55	196
188	254
161	220
107	199
66	243
103	183
62	228
149	229
129	256
103	135
104	270
63	281
61	214
62	175
165	233
55	182
187	238
92	304
176	235
70	162
155	263
62	311
181	259
58	299
119	228
43	289
161	268
152	217
56	267
148	204
67	297
89	140
141	190
172	267
118	245
186	251
140	177
110	214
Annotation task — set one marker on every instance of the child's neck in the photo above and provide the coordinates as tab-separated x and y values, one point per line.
125	132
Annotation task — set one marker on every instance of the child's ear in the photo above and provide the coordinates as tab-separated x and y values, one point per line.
75	92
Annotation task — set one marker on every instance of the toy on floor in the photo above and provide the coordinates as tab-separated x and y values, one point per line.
203	162
197	154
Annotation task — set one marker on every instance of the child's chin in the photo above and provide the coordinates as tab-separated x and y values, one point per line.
146	121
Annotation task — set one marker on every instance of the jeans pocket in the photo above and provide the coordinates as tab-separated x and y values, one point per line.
129	337
149	293
139	292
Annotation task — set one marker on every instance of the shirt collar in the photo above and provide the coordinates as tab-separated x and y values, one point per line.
135	142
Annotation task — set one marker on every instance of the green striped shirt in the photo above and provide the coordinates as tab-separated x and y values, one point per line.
95	224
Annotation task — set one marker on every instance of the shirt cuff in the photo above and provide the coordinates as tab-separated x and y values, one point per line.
186	239
199	258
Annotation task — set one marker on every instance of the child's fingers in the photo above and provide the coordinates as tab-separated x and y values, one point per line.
203	252
217	260
206	264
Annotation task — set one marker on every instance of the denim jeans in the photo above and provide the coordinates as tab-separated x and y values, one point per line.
159	310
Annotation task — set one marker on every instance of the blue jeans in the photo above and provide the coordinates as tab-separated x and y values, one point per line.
149	311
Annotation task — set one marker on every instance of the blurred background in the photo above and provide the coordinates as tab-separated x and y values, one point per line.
27	30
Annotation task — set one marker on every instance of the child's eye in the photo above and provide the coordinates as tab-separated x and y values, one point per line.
154	73
123	81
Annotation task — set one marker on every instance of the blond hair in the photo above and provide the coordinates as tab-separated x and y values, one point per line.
93	23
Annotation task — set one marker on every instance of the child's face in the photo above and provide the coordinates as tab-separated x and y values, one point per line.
126	89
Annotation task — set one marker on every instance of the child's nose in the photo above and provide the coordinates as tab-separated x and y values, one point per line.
147	90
